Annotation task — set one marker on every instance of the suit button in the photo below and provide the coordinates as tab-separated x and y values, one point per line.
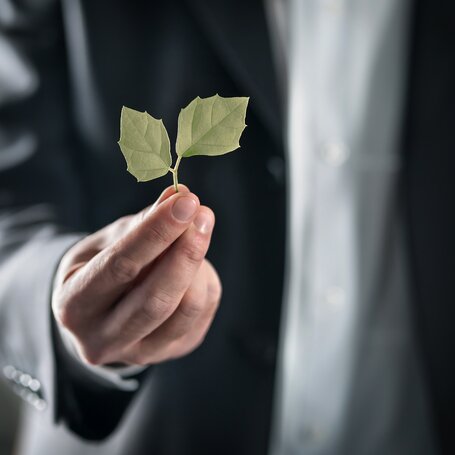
34	385
334	153
26	386
275	167
38	403
9	372
12	374
33	399
25	379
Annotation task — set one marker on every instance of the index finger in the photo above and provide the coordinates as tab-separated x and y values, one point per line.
108	274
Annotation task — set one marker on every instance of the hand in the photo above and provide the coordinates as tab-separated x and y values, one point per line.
140	291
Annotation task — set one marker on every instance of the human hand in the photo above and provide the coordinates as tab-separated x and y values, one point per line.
140	291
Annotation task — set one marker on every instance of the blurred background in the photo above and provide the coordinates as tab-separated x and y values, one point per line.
9	419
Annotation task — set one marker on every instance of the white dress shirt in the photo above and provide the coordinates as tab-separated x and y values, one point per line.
349	378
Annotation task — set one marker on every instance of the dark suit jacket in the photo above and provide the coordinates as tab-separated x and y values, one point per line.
70	68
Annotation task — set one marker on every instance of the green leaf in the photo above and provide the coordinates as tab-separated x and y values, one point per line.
145	144
211	126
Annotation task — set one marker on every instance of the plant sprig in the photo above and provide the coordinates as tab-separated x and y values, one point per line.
207	126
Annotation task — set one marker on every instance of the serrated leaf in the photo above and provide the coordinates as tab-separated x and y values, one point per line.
145	144
211	126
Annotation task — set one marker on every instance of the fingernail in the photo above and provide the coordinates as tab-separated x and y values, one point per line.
184	208
203	222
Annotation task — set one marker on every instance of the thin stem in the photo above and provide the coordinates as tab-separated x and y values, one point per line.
175	174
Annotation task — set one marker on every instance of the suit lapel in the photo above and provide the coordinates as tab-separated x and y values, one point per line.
239	33
428	189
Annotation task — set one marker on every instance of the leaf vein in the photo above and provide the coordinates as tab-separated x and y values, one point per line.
197	141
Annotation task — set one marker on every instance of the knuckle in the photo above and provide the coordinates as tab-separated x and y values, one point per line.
158	233
214	286
79	247
140	217
158	305
123	268
214	292
194	252
176	333
192	305
121	226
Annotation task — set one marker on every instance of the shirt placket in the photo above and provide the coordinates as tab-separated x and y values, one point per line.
320	292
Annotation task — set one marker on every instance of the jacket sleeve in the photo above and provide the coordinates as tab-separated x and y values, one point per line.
41	216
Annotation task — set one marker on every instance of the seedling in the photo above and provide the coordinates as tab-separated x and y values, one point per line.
207	126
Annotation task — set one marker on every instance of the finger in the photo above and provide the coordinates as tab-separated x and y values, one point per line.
189	323
112	232
167	193
127	223
91	245
190	309
106	276
194	338
156	346
152	301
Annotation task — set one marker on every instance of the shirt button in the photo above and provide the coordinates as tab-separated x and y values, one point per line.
334	153
309	434
335	296
334	6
